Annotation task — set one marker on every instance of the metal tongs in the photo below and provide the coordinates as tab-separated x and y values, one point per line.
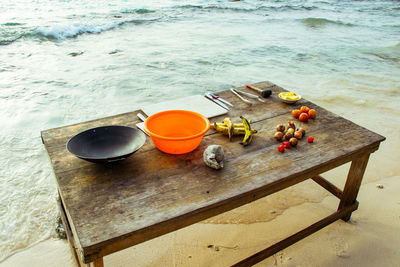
238	92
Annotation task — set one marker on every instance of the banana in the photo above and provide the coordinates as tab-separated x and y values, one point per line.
236	131
249	134
220	128
232	129
229	124
236	125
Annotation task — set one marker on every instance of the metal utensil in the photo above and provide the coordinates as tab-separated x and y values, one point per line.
141	116
250	95
241	98
216	100
221	99
140	125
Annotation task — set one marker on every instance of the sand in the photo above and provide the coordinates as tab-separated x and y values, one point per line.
371	238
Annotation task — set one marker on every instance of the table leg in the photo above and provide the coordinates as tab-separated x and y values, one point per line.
353	183
97	263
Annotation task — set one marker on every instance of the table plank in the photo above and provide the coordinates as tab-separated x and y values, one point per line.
111	207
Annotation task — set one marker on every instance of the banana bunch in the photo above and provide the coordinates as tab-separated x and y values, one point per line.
227	127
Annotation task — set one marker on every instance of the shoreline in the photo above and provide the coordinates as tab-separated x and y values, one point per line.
80	63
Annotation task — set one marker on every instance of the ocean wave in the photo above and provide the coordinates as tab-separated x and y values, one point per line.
138	11
387	57
9	41
389	53
216	8
321	22
11	31
7	38
291	8
64	31
13	24
245	10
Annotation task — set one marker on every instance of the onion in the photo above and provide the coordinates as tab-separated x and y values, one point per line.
278	136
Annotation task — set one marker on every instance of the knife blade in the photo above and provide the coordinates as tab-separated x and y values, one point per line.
215	100
221	99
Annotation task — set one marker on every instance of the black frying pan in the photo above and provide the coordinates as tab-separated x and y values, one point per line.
106	144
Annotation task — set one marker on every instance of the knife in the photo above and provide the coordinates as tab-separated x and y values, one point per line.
221	99
216	100
141	116
140	125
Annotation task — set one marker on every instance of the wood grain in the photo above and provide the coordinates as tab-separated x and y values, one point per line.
111	207
353	182
328	186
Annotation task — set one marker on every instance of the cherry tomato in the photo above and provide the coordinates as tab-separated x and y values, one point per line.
286	144
296	113
281	148
304	109
310	139
312	113
303	117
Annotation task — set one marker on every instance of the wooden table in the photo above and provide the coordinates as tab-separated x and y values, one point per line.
107	208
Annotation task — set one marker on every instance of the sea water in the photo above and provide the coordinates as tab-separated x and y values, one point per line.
64	62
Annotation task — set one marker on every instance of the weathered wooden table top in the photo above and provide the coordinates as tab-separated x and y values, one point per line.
151	193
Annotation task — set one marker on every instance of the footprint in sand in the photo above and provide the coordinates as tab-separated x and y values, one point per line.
341	248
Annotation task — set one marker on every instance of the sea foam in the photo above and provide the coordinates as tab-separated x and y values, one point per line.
63	31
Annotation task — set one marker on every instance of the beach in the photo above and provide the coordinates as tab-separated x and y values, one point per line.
60	64
370	238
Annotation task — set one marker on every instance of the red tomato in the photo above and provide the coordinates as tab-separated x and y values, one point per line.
310	139
286	144
304	109
303	117
296	113
312	113
281	148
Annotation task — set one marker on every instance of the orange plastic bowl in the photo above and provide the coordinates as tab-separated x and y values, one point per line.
176	131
